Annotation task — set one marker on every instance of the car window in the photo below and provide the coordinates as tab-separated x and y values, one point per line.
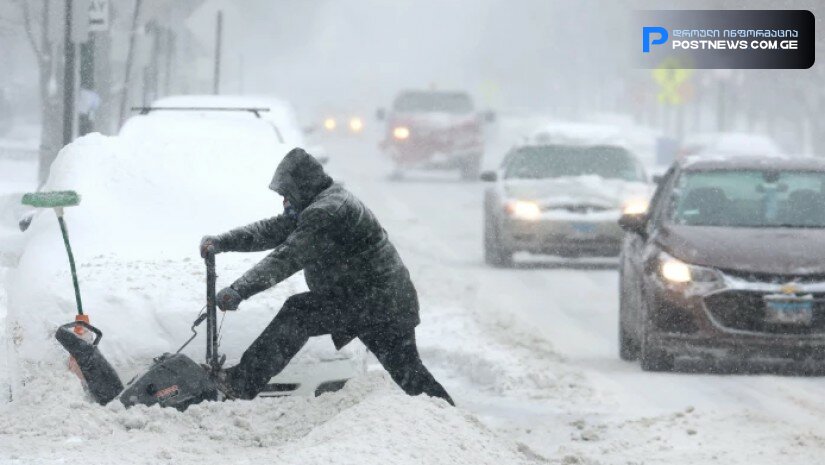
659	200
556	161
750	198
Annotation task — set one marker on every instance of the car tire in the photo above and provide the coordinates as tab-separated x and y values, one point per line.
628	347
495	253
654	358
471	168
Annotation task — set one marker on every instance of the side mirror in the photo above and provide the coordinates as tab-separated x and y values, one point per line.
490	116
25	221
634	223
657	178
489	176
380	114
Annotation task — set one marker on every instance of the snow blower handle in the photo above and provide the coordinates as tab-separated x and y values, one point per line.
212	358
74	324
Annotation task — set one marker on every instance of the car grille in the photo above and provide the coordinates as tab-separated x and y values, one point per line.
745	310
774	278
581	209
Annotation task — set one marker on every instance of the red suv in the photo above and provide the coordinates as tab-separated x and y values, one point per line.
434	130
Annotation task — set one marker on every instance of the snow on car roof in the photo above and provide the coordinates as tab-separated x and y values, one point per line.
723	162
733	143
281	112
574	133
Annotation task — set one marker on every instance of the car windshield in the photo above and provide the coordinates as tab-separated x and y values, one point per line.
750	198
556	161
443	102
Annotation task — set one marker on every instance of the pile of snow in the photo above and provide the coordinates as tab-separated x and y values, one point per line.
369	422
148	196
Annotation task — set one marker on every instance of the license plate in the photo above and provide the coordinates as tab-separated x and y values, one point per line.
583	228
789	310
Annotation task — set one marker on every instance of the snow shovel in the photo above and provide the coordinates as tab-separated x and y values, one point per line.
58	200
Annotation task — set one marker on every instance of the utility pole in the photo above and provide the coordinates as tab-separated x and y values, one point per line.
170	53
124	96
85	122
240	75
68	78
216	77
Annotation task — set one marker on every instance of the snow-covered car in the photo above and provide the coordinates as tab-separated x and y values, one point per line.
560	199
435	130
727	144
727	261
148	195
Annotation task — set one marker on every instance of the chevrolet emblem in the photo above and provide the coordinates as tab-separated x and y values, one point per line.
790	288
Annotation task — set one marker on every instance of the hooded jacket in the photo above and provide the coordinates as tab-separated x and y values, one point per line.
344	251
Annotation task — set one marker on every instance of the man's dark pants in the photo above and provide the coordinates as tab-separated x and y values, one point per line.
309	314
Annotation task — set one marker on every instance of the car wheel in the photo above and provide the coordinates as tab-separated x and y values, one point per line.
653	358
495	253
628	348
471	168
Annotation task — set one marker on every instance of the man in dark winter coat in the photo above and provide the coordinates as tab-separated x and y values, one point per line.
358	285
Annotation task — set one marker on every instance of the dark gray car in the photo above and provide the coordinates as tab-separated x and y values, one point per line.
727	261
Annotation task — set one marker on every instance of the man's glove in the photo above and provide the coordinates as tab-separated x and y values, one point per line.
228	299
209	244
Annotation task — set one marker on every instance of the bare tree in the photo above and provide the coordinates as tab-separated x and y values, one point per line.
35	15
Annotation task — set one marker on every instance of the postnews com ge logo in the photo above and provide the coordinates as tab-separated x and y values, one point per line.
726	39
657	35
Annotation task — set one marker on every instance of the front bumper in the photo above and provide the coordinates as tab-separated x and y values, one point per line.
312	379
429	155
728	318
564	237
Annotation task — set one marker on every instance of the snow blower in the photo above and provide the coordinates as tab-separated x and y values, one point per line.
173	380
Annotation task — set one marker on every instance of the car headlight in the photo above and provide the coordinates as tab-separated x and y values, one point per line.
523	209
401	132
330	124
635	206
676	271
356	124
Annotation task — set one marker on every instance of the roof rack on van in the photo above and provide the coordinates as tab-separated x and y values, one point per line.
253	110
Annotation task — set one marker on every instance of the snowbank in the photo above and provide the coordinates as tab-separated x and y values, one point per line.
146	201
369	422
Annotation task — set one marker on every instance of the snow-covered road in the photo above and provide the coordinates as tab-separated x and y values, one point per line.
534	349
